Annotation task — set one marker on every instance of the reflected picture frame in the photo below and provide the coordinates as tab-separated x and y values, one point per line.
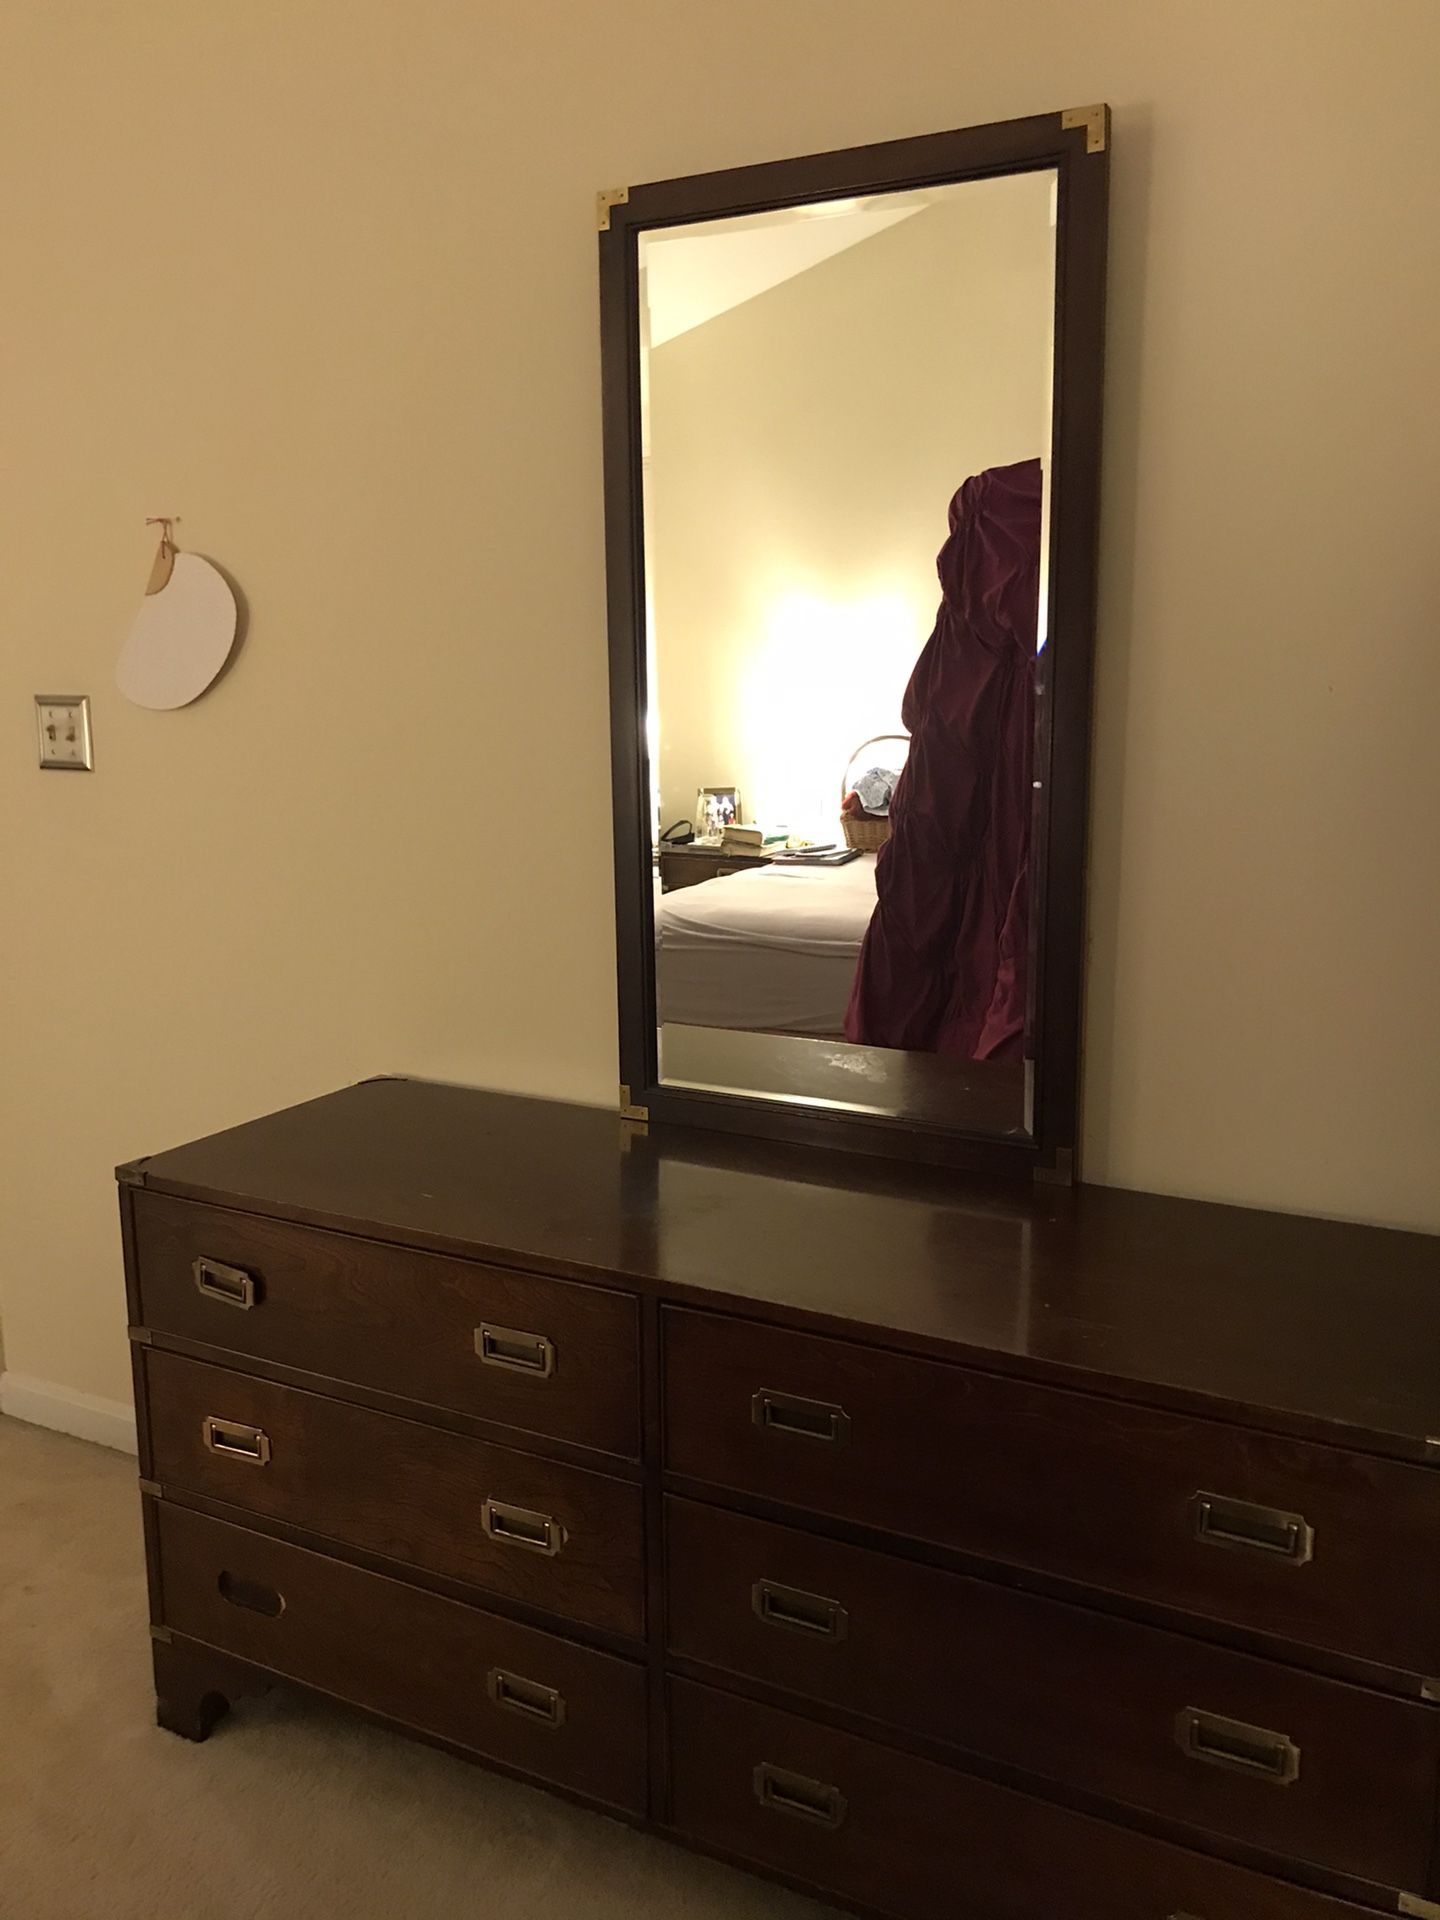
715	809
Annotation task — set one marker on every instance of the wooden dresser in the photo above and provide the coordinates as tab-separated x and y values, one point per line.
941	1546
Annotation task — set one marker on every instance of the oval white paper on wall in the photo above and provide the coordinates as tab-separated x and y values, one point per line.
181	638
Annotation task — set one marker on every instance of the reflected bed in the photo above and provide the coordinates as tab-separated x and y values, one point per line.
769	950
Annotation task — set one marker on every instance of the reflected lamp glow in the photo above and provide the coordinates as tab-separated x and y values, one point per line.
827	675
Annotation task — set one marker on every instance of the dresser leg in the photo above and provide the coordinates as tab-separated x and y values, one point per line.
192	1694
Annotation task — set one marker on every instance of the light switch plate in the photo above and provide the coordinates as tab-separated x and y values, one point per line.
64	723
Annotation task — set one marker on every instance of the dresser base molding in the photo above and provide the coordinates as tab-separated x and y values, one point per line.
910	1540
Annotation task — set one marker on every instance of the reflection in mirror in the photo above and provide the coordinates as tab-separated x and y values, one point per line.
842	780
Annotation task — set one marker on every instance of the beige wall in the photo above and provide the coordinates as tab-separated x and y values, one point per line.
804	447
321	279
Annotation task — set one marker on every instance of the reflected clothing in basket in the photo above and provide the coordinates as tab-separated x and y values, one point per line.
943	966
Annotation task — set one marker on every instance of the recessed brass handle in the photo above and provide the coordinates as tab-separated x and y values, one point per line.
252	1595
526	1697
520	1352
231	1286
797	1794
789	1413
522	1527
1238	1746
802	1612
1221	1522
236	1441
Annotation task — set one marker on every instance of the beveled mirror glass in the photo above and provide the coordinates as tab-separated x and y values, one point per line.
850	774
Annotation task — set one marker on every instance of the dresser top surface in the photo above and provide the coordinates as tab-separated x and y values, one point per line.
1316	1327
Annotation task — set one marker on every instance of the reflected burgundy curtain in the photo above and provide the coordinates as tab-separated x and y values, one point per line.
943	966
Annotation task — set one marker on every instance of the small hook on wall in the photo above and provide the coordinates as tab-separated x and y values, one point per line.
165	559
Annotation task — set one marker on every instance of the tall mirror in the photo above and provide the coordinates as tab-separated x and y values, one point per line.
850	491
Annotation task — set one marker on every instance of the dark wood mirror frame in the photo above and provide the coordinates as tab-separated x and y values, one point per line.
1076	144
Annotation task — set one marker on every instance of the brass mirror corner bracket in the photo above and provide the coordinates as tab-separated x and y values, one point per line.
628	1111
1095	120
611	197
1062	1174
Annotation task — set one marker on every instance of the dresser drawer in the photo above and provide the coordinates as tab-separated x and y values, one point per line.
560	1712
1310	1543
865	1824
550	1535
543	1355
1305	1767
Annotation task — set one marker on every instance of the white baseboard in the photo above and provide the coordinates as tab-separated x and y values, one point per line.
111	1423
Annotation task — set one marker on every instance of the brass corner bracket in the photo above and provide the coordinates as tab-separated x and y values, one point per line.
1062	1174
611	197
1096	122
630	1112
1412	1903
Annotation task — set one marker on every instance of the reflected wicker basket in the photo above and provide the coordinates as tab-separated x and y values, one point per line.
865	832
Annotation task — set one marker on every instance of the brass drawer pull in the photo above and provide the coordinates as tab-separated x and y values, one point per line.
788	1413
796	1794
232	1286
519	1352
522	1527
237	1442
251	1594
1234	1744
527	1697
800	1611
1239	1523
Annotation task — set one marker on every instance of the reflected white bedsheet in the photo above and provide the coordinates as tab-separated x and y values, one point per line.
769	948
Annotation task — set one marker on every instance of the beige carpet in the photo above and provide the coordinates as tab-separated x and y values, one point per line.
290	1811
